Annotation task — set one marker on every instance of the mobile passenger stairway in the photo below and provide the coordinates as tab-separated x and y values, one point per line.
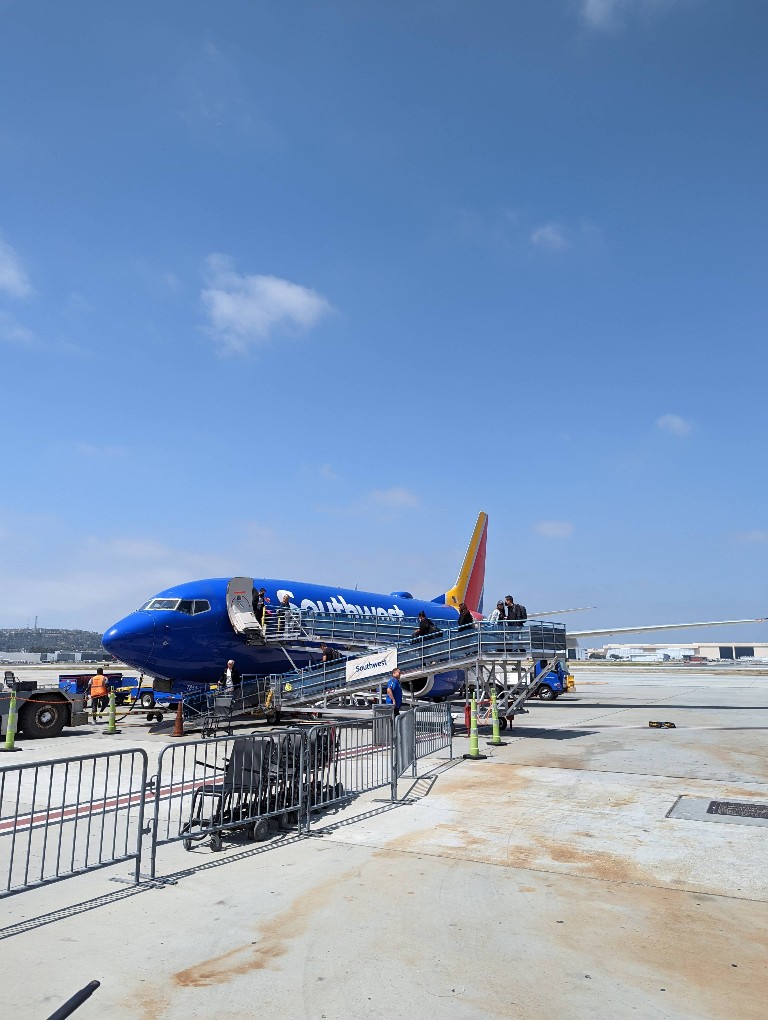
489	654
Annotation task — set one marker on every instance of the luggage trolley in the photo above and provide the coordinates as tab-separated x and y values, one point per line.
303	766
322	755
218	715
237	802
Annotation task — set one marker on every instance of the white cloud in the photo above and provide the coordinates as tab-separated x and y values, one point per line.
550	237
13	332
385	503
756	536
246	311
13	279
393	499
606	15
88	581
674	424
554	529
327	472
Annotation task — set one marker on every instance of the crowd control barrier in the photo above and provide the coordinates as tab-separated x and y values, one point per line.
70	816
346	759
418	732
206	787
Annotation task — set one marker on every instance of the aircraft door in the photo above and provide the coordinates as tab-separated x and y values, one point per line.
240	607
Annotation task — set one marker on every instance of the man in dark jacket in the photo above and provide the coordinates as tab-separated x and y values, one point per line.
426	627
231	679
329	654
258	602
515	611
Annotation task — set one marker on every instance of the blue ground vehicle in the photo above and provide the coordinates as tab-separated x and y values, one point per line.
79	683
556	682
151	692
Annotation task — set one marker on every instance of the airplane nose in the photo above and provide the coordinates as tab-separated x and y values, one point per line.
132	639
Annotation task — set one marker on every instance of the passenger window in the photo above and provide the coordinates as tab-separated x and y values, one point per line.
201	606
185	606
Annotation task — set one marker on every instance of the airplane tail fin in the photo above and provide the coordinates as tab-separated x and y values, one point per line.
471	580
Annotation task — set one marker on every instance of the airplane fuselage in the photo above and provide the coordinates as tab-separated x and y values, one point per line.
184	632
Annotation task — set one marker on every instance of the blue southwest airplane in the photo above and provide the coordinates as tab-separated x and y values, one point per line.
185	633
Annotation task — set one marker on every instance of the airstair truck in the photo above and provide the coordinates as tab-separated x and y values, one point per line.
41	711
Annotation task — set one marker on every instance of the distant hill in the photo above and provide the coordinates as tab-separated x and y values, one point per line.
42	639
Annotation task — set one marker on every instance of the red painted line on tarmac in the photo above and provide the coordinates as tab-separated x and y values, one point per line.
25	822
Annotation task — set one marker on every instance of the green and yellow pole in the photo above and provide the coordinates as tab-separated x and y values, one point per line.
111	728
10	732
495	740
474	749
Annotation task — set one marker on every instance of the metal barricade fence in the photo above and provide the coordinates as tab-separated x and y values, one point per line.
238	781
405	742
434	729
420	731
70	816
73	815
346	759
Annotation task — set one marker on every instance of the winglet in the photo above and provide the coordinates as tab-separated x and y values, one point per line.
471	580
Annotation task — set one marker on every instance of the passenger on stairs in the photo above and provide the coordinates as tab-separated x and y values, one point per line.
284	613
329	654
499	614
426	627
466	620
259	602
515	611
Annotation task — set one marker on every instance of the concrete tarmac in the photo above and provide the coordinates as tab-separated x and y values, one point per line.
549	880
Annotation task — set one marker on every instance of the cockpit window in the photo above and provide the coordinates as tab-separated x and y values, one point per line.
189	606
162	604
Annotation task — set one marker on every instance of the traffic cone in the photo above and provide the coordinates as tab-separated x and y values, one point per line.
474	749
178	726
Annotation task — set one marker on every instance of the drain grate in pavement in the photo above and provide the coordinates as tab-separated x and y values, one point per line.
732	807
729	812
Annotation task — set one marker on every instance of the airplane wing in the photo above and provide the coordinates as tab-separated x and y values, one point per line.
555	612
658	626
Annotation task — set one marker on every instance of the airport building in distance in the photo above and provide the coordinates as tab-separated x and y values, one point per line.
693	651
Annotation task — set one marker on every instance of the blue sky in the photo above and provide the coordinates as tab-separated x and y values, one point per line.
296	289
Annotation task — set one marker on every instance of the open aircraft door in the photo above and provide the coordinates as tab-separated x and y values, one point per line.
240	609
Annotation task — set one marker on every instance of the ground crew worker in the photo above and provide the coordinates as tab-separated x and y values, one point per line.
395	691
99	693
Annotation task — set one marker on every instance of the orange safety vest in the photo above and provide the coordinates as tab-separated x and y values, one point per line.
99	686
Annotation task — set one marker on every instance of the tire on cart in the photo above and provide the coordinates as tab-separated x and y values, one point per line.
147	700
216	841
259	831
42	718
288	819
